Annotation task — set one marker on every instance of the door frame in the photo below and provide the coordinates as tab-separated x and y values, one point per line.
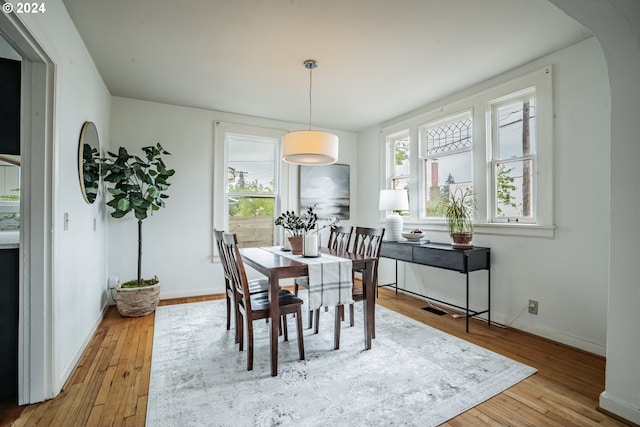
35	330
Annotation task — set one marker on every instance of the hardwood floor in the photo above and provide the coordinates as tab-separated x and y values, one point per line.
110	384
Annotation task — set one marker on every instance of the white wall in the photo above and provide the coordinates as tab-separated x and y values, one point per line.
178	240
7	51
566	274
616	24
78	293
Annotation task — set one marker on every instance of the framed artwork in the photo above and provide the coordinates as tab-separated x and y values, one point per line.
326	187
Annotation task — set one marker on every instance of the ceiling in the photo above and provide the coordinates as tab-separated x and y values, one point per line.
377	59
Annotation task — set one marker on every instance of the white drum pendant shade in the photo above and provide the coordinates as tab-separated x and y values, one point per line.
310	147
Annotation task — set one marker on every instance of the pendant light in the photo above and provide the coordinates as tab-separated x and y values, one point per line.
310	147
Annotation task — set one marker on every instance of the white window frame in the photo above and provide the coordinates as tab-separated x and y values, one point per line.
229	137
220	179
492	120
480	103
392	174
541	80
424	157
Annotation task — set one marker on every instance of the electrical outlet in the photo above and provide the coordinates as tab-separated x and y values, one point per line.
533	306
113	282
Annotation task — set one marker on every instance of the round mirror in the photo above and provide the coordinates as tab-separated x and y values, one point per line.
88	165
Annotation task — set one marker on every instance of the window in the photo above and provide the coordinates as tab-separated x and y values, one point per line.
251	187
446	151
513	129
497	141
399	166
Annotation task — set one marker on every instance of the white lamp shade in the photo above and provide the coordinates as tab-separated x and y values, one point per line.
394	200
310	147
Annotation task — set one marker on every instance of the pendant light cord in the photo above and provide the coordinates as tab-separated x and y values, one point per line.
310	107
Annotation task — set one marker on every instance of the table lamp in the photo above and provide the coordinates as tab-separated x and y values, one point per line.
393	200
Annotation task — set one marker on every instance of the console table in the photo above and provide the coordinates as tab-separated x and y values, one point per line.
442	255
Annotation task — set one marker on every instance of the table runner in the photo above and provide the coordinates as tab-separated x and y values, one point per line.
330	278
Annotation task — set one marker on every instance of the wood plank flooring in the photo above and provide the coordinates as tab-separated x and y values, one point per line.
109	386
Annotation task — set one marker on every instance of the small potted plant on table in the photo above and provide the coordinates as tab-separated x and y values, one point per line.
458	212
137	186
296	226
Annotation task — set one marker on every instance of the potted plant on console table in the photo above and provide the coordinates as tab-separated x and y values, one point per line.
458	212
137	186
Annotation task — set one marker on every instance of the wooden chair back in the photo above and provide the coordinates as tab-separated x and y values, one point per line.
368	242
221	254
237	272
340	238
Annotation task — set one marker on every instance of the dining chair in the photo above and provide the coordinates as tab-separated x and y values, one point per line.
339	240
256	286
367	242
257	306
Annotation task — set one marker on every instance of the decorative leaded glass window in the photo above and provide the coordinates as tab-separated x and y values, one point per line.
446	150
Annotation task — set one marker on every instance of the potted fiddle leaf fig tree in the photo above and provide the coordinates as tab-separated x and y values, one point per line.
137	185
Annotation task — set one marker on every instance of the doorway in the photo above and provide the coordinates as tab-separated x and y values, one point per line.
34	358
10	65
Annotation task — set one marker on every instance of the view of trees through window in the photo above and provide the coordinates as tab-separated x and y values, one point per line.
251	188
514	157
401	165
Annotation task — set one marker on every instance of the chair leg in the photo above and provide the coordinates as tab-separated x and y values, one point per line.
300	337
373	321
351	315
238	316
240	332
317	320
250	345
336	333
311	318
228	312
285	330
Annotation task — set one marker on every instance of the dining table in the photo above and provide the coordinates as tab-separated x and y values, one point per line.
269	262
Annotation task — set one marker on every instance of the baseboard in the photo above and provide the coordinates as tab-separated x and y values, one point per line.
550	334
73	363
190	293
619	410
561	337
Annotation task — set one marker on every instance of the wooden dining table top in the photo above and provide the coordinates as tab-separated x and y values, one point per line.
268	258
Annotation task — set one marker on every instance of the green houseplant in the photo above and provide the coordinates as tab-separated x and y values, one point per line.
137	186
458	211
296	226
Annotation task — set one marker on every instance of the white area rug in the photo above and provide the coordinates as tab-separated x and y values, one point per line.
413	375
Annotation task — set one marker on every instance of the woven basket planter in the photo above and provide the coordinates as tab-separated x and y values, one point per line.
136	302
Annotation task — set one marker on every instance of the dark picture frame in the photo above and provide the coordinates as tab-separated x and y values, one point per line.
328	187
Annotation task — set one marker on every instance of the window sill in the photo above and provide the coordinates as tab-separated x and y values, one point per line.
525	230
529	230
